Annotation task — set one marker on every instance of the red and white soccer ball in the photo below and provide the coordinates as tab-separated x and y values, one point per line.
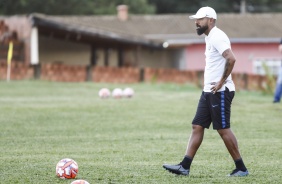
79	182
117	93
104	93
128	92
66	168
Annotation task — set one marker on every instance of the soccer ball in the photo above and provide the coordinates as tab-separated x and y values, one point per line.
79	182
104	93
128	92
117	93
66	169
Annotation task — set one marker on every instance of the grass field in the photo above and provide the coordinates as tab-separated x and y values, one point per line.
128	140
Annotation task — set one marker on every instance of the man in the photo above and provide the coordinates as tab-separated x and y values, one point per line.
278	90
215	102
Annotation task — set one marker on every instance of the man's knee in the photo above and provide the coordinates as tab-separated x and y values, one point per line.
223	132
197	128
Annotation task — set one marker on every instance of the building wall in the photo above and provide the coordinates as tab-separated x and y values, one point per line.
62	51
179	58
245	54
113	57
155	59
195	57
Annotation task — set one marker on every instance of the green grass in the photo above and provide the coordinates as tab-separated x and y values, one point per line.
128	140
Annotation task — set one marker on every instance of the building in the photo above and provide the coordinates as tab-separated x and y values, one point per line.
145	41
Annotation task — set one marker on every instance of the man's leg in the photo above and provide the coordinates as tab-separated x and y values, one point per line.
231	144
202	119
278	89
278	92
194	143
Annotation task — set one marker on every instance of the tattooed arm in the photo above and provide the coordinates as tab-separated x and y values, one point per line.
230	61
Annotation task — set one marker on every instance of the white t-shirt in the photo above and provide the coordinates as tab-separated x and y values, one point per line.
216	43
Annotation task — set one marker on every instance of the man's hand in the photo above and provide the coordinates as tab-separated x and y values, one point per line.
216	87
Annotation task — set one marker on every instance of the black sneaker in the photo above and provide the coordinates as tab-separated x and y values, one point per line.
239	173
176	169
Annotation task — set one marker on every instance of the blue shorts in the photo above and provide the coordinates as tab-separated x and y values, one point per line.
215	109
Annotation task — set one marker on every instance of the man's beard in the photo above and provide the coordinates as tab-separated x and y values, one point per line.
201	30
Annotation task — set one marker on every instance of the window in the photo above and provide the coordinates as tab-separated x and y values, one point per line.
263	66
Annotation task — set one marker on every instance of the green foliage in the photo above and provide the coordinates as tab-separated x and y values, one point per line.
91	7
68	7
138	7
180	6
175	6
128	140
270	80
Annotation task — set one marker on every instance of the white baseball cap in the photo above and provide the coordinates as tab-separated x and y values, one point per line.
204	12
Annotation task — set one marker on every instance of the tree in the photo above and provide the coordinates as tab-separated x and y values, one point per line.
175	6
264	5
71	7
91	7
191	6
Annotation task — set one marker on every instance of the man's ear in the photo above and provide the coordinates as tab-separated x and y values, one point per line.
212	21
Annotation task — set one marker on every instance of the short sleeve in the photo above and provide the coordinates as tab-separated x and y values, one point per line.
221	42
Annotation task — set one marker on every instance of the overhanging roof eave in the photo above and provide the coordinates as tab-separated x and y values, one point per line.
38	22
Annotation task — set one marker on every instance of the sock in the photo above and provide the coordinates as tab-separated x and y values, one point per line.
186	162
240	165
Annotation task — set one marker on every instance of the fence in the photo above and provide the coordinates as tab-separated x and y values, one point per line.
67	73
19	71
